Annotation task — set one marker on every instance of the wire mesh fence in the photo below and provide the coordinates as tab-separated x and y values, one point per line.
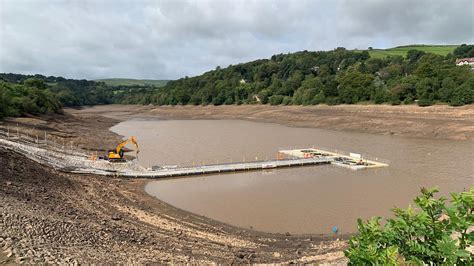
40	140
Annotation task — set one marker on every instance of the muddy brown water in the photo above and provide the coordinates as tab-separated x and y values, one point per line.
309	199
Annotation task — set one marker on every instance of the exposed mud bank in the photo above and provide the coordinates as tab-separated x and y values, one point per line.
54	217
438	122
49	216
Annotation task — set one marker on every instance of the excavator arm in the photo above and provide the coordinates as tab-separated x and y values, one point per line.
117	154
132	139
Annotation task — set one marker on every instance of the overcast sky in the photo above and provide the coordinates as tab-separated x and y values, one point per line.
171	39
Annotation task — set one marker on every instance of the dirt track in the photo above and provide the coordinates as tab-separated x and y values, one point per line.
48	216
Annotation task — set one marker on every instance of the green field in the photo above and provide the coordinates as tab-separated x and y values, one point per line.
402	50
134	82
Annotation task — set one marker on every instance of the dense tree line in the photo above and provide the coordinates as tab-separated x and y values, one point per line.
37	94
29	97
331	77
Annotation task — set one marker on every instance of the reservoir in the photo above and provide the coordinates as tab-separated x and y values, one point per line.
299	200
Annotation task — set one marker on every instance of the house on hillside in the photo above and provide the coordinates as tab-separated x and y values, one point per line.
465	61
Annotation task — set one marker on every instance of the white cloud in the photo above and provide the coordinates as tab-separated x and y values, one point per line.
171	39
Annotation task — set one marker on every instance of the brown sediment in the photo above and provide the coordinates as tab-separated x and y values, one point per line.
55	217
439	121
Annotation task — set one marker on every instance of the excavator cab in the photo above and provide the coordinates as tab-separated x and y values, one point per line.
117	155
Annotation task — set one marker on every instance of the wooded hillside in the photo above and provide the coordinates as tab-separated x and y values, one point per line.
332	77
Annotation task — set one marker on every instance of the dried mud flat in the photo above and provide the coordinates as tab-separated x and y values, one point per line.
54	217
438	121
47	216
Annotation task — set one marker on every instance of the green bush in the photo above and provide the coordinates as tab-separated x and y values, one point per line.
395	102
431	234
319	98
408	100
332	100
287	100
425	102
276	99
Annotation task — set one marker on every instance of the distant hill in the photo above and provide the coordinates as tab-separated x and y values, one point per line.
402	50
134	82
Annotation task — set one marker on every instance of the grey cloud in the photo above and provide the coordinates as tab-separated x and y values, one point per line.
420	21
171	39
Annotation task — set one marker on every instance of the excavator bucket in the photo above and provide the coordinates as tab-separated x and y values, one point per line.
117	155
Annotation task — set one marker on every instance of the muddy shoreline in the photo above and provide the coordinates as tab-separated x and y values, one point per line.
433	122
48	216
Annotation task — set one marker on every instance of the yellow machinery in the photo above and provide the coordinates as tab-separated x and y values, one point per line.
117	155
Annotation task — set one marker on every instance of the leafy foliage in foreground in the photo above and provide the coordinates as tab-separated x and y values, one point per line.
435	233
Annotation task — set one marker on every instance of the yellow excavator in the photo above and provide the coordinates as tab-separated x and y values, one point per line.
117	155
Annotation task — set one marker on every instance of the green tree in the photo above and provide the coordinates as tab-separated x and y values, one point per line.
35	83
319	98
298	96
464	51
5	101
447	89
355	86
413	55
399	92
425	90
264	95
464	94
287	100
276	99
380	96
308	96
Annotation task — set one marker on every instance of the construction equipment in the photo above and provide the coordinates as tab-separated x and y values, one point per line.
117	155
